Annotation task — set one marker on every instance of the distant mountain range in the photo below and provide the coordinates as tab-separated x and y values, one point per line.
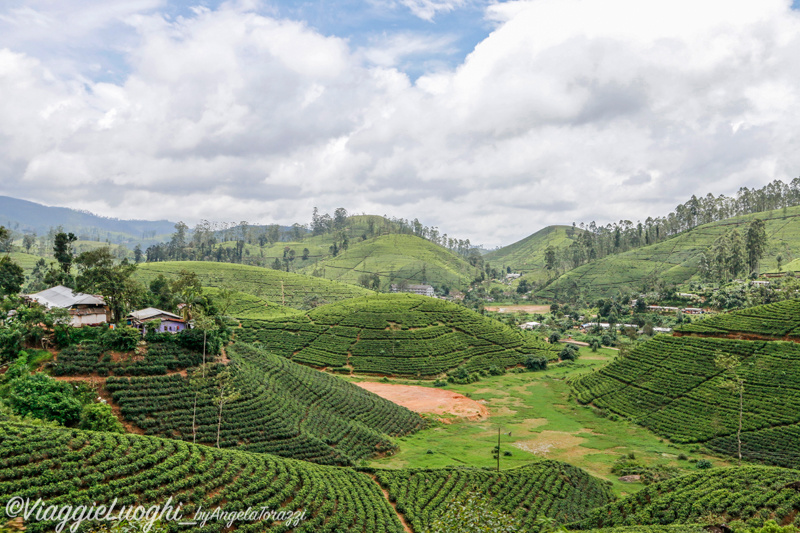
27	217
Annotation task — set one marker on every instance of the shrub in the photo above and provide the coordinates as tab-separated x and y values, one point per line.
703	464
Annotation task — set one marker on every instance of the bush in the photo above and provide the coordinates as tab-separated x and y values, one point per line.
98	417
568	353
703	464
536	362
122	338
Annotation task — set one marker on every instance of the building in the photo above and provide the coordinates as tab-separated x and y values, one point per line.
424	290
530	325
84	309
170	323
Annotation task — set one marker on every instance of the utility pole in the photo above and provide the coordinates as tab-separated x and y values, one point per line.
283	296
498	448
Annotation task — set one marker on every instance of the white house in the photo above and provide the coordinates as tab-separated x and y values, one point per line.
85	309
424	290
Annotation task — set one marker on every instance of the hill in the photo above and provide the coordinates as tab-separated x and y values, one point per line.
79	467
728	494
777	321
674	261
672	386
546	489
22	215
282	408
397	259
401	334
527	255
293	290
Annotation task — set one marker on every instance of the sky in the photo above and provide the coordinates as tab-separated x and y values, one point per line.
488	119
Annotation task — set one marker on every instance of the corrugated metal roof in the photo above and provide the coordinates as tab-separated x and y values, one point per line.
60	296
151	312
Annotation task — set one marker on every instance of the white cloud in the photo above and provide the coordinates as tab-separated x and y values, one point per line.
570	110
427	9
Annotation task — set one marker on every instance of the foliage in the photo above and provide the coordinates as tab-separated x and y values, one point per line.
282	408
545	489
100	275
472	513
779	320
742	493
82	467
568	353
11	276
98	417
395	334
43	397
671	385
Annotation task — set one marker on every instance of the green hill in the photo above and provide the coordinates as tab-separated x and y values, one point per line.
283	408
546	489
401	334
66	466
672	386
777	321
743	493
296	290
397	259
527	255
676	260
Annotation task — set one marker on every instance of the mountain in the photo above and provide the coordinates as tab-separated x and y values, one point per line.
397	258
25	216
676	260
527	256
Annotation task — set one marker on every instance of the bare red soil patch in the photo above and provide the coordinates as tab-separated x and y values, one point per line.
428	400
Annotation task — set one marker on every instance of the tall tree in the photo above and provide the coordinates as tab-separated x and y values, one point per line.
729	364
226	393
63	251
99	274
11	276
756	243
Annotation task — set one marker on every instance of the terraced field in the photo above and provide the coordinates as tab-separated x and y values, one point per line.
71	466
672	386
779	320
677	260
527	255
743	493
548	488
397	258
293	290
283	408
402	334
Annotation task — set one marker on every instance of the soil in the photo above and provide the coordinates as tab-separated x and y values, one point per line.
532	309
428	400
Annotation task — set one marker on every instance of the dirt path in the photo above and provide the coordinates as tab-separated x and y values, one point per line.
428	400
400	516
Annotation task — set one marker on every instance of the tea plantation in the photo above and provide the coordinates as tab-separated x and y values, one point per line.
779	320
402	334
282	408
672	386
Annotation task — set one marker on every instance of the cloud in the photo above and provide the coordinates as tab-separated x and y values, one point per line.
427	9
570	110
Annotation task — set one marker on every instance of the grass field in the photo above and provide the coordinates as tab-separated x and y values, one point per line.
536	408
397	258
293	290
676	260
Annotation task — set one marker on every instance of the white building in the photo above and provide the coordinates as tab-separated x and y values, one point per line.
424	290
85	309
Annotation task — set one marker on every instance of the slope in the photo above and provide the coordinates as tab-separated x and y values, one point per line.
672	386
744	493
527	255
80	467
401	334
397	258
776	321
293	290
282	408
676	260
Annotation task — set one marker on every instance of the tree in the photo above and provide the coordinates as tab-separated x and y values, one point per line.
306	251
756	243
729	364
226	393
99	274
5	239
12	276
189	290
99	417
137	254
28	241
63	251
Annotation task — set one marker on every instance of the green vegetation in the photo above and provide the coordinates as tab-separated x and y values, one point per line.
673	386
282	408
293	290
779	320
546	489
528	255
674	261
751	494
400	259
402	334
71	466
